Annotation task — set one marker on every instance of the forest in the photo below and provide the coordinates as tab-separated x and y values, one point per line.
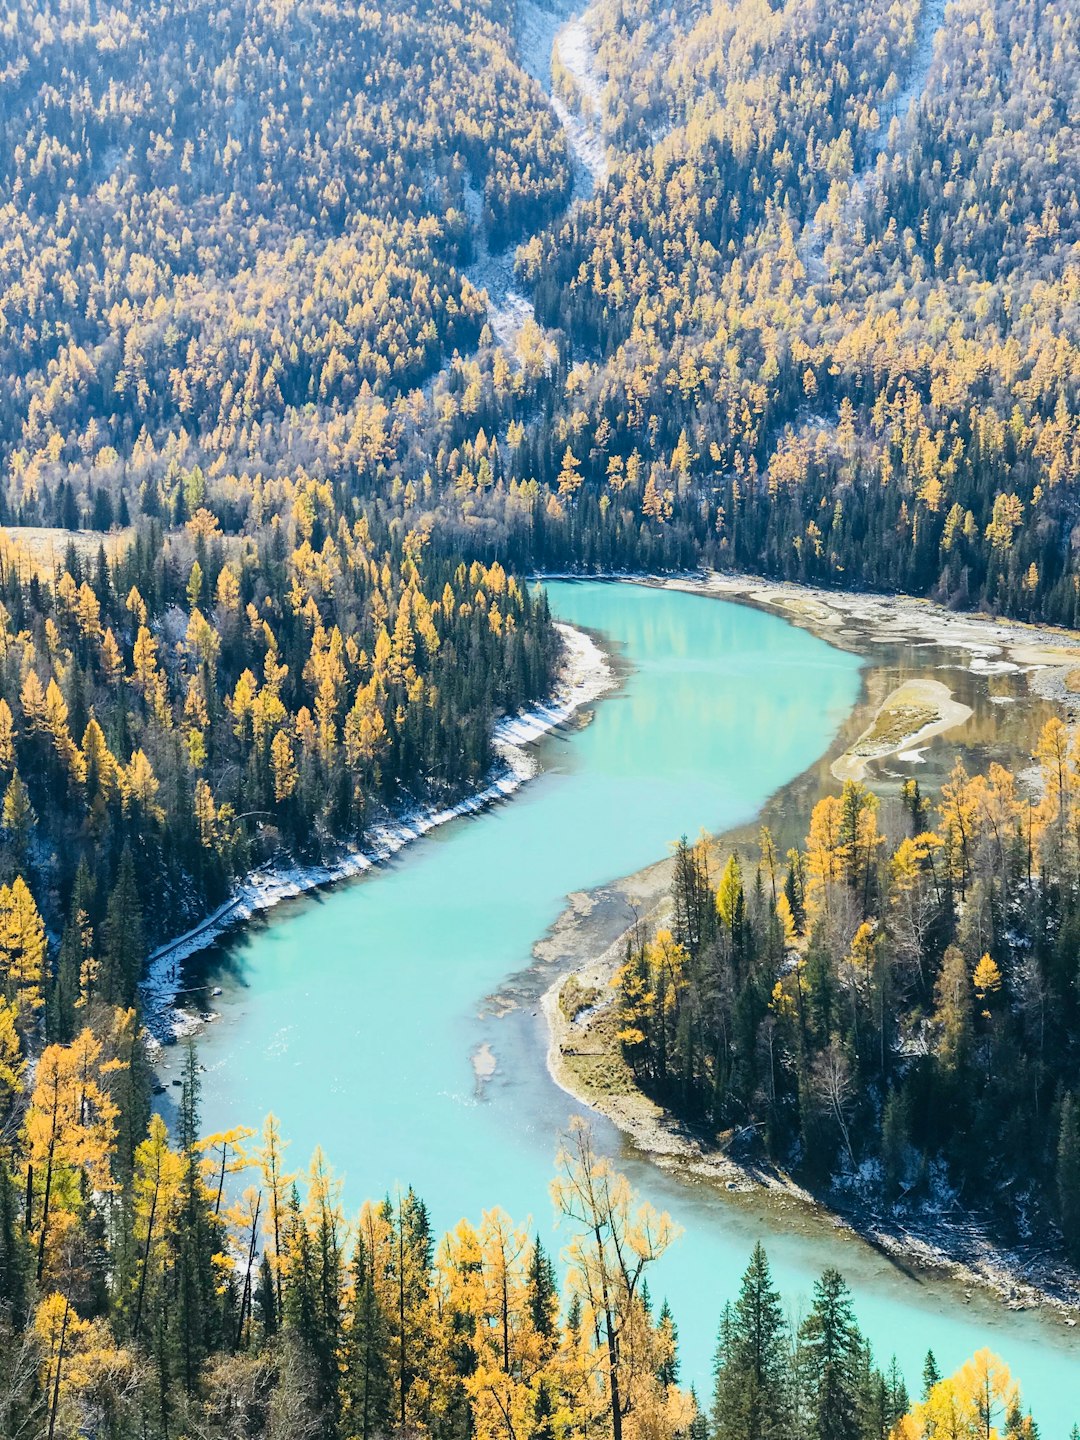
143	1292
820	319
204	705
272	492
892	1009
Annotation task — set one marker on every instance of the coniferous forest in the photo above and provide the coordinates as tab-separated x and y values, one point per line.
273	485
890	1008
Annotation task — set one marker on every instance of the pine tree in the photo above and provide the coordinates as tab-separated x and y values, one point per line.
300	1318
897	1392
198	1317
323	1340
667	1372
75	968
751	1398
1068	1174
123	954
411	1281
266	1299
16	1257
368	1382
931	1374
543	1424
830	1351
543	1299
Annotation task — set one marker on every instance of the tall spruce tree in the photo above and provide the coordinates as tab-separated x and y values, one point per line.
830	1356
543	1293
123	933
931	1374
368	1382
752	1395
1068	1175
200	1237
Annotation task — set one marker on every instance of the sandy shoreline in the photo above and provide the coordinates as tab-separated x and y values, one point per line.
906	720
844	616
582	1055
585	675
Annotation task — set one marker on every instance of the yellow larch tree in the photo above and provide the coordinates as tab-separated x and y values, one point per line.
959	812
22	951
7	736
1054	813
968	1405
156	1189
80	1361
613	1242
70	1138
276	1180
825	852
12	1064
139	787
283	767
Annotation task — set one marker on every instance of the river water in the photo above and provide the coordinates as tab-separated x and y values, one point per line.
355	1015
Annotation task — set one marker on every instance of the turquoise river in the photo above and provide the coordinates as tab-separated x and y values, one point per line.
353	1014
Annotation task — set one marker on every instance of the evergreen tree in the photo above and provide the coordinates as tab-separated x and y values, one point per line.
543	1419
931	1374
15	1253
667	1372
308	1331
699	1425
198	1317
75	965
265	1299
1068	1174
123	952
831	1353
367	1356
543	1293
752	1399
411	1279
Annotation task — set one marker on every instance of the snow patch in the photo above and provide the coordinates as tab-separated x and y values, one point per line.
864	181
575	52
543	31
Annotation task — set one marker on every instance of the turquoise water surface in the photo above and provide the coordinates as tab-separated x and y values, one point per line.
353	1015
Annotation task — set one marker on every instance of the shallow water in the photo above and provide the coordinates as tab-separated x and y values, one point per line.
353	1015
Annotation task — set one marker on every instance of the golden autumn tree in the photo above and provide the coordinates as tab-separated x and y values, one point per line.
22	951
84	1372
826	854
959	817
614	1240
970	1405
156	1187
70	1137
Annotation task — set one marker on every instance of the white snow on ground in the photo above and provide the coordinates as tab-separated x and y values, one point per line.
585	675
864	180
576	55
535	30
509	308
539	30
